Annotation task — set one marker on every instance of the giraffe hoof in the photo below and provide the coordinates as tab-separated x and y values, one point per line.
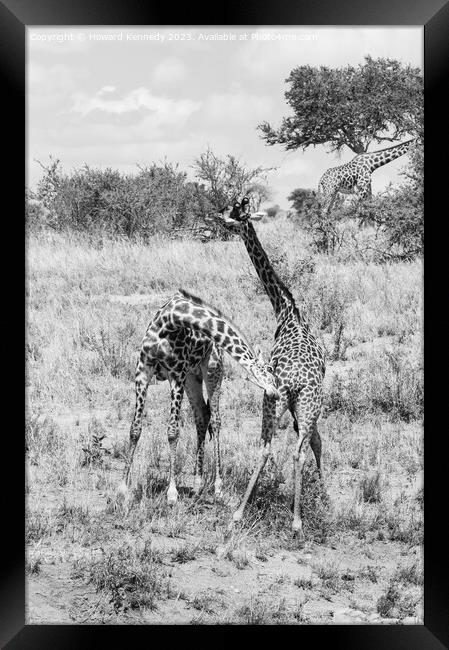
237	516
221	552
218	491
121	501
172	496
198	487
122	495
230	530
122	489
298	536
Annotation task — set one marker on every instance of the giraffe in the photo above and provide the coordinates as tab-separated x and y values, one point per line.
296	360
184	343
354	177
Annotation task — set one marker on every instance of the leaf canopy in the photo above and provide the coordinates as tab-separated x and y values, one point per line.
378	101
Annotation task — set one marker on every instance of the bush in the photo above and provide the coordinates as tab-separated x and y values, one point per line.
273	210
401	212
399	220
326	235
371	487
35	212
395	604
158	199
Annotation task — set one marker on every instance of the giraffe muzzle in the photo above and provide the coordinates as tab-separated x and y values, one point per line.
272	392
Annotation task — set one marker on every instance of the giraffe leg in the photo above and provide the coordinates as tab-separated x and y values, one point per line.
363	189
213	377
329	202
201	413
315	443
177	393
299	457
143	376
269	424
306	411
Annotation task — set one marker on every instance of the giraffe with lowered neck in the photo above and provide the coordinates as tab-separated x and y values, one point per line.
296	360
184	343
354	177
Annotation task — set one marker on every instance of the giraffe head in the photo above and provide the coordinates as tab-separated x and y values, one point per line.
262	377
235	217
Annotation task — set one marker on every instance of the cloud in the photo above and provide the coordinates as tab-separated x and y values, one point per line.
170	71
270	58
49	86
107	89
333	47
237	107
161	111
168	124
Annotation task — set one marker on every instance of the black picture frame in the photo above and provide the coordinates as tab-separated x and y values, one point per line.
15	15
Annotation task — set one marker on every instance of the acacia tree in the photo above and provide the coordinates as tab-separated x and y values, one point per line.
302	199
380	100
228	179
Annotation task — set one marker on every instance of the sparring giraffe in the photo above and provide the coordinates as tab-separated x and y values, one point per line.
183	343
354	177
296	360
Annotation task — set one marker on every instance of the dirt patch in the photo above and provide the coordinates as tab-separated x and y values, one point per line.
208	577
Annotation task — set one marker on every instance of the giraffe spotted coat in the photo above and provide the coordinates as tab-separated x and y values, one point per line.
184	343
354	177
296	359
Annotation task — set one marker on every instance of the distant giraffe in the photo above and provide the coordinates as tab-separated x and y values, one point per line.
183	344
296	360
354	177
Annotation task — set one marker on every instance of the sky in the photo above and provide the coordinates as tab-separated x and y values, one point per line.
121	97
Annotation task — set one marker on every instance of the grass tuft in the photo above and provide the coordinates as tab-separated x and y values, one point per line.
132	579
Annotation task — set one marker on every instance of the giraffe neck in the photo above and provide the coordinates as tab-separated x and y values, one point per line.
280	297
377	159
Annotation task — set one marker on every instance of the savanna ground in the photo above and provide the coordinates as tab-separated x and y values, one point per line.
88	306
